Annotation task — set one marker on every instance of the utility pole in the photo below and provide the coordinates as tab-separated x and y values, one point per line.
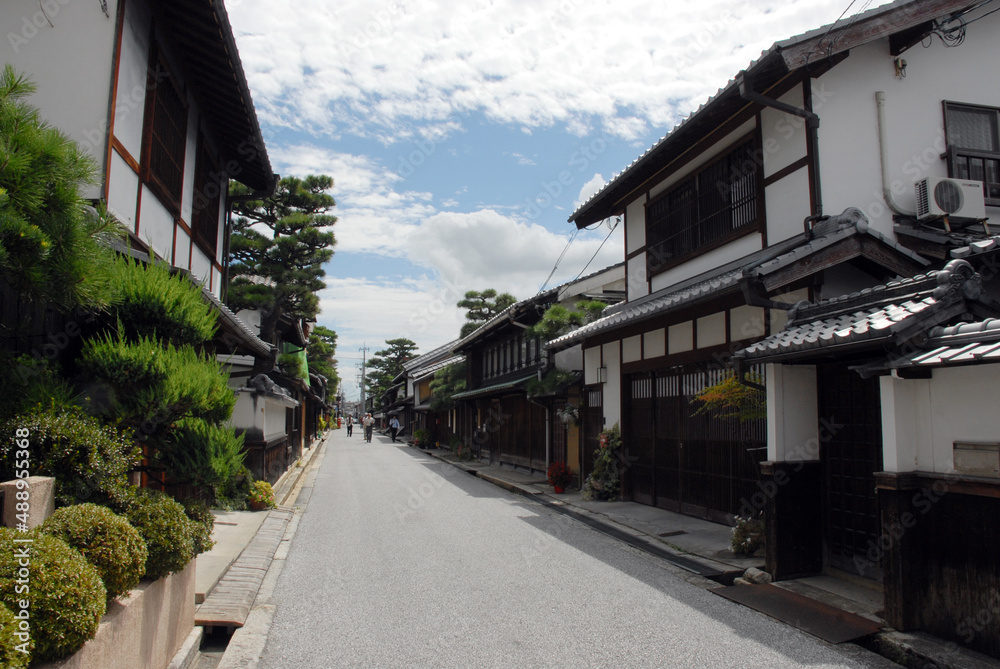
364	352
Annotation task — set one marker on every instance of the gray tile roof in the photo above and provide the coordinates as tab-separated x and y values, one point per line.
879	314
783	56
962	344
429	370
836	229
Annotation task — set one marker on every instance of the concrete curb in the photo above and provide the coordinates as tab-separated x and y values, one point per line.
285	484
246	646
187	654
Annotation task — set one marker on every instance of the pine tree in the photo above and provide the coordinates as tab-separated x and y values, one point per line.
320	352
386	364
280	274
51	246
482	307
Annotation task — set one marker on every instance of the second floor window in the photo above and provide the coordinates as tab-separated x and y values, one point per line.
713	206
974	146
165	135
205	204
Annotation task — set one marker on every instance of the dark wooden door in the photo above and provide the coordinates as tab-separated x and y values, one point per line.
850	428
592	422
679	459
640	474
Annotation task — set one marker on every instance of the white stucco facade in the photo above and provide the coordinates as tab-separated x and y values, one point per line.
92	84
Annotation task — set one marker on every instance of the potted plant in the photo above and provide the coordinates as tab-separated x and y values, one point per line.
261	496
560	476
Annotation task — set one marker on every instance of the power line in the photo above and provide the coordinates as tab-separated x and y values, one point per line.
559	259
613	228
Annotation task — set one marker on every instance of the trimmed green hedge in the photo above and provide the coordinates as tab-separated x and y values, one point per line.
106	540
66	593
164	526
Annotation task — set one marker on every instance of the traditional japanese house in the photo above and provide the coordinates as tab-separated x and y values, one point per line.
799	180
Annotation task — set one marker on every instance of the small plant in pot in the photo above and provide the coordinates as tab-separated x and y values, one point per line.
560	476
261	496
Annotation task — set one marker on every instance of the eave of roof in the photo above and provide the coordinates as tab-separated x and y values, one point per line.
888	314
773	65
496	388
508	315
207	48
757	266
431	370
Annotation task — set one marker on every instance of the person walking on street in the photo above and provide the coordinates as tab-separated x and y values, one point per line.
369	424
393	428
350	425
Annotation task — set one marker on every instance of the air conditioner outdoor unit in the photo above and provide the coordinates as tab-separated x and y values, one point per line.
954	198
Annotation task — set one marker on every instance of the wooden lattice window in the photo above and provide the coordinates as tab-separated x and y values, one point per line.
974	146
715	205
165	134
205	203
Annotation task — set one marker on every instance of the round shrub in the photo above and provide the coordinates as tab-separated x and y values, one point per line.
90	462
12	649
166	529
67	595
106	540
203	523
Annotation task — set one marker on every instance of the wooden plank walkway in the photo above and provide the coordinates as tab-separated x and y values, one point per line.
230	601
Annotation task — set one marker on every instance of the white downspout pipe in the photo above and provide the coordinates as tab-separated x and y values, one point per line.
884	158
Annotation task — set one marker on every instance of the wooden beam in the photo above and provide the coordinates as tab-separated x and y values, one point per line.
876	27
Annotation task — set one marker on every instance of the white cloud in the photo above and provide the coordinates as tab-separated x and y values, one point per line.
588	190
418	309
406	69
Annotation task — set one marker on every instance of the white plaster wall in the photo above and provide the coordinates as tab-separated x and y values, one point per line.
190	154
248	412
274	417
70	62
637	286
251	317
907	443
221	230
848	141
922	419
632	349
635	224
613	386
709	261
570	358
130	102
654	343
591	361
606	279
156	226
786	205
182	250
216	282
783	136
792	413
123	189
201	264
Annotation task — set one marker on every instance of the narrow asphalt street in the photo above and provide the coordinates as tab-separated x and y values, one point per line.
401	560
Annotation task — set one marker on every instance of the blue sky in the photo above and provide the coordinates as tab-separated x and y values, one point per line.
462	135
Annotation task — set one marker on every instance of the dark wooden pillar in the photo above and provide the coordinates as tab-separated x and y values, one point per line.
791	496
